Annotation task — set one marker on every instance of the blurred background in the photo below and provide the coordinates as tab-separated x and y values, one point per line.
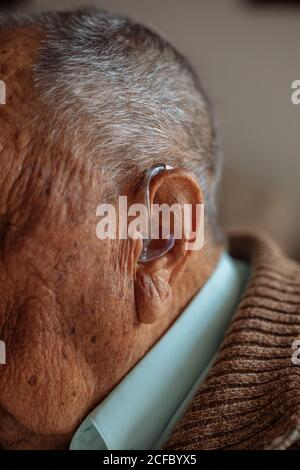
247	54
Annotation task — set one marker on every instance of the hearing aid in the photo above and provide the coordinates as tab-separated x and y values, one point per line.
150	253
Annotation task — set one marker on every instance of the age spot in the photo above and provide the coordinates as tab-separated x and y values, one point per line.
32	380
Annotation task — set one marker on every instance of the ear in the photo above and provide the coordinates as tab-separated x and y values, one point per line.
155	280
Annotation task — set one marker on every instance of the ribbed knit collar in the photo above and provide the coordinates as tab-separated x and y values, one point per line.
251	398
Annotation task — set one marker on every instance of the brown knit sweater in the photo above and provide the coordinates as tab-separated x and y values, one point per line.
251	398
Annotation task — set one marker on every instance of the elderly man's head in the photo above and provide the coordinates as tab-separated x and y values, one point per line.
93	101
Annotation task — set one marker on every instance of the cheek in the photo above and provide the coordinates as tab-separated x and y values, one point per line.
46	385
105	333
70	340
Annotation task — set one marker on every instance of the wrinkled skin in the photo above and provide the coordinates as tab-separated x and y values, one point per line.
68	301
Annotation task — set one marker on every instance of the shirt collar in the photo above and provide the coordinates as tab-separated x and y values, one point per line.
142	410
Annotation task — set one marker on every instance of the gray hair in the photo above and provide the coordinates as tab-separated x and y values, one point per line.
127	94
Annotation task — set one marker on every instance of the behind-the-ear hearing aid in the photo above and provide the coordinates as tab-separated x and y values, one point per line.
148	253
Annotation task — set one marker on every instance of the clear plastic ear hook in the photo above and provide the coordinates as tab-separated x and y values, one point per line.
148	253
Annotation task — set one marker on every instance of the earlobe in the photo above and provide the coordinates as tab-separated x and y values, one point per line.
153	296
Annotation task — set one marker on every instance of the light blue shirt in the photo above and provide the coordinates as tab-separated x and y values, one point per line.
141	412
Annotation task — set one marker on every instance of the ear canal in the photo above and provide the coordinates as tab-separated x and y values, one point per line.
150	254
